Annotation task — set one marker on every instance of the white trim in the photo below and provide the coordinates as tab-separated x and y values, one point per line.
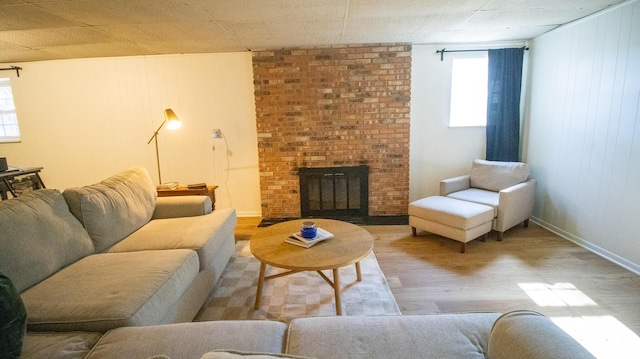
586	18
474	45
249	214
612	257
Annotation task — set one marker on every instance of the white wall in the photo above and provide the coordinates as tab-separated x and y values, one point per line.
437	151
83	120
584	132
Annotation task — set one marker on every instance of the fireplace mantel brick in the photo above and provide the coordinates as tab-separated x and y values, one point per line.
333	106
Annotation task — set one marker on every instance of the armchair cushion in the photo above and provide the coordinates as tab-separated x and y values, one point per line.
496	176
488	198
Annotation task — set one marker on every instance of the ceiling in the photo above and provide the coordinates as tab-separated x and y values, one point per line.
37	30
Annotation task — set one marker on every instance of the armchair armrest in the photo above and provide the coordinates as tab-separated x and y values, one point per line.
454	184
515	204
182	206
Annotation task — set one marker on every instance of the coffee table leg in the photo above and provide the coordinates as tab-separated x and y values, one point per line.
263	268
358	273
337	289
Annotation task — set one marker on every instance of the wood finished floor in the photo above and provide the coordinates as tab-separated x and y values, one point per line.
531	269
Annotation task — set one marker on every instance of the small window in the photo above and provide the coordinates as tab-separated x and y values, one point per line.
469	91
9	131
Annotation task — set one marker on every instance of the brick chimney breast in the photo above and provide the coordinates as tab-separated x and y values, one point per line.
333	106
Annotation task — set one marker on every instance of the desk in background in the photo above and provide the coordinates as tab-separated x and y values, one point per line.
8	179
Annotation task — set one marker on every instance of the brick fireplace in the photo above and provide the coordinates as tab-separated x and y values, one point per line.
331	107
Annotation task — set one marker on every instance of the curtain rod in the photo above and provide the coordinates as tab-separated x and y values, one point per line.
441	52
16	68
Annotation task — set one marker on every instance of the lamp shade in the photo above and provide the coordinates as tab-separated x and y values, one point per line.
173	121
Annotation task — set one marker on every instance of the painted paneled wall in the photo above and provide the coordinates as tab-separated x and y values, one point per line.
83	120
584	132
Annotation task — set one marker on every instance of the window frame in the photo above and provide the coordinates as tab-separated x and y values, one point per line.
5	82
463	56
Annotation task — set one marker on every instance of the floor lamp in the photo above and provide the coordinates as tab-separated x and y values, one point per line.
172	122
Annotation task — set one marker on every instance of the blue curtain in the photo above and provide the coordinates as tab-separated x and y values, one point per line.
503	104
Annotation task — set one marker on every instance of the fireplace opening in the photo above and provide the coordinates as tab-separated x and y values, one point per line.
334	192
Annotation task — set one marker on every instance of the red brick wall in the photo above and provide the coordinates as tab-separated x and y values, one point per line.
328	107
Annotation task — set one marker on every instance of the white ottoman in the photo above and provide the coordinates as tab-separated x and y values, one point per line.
459	220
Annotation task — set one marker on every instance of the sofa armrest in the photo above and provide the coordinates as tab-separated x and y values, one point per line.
515	205
454	184
530	335
182	206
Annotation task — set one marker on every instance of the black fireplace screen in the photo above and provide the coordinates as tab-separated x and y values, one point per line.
334	191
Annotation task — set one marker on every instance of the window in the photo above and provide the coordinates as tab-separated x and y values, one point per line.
9	131
469	91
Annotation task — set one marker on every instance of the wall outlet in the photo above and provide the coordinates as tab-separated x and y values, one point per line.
217	133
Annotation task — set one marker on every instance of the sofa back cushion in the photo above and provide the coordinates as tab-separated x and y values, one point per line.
114	208
38	236
496	176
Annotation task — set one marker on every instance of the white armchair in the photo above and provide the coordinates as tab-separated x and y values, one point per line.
505	186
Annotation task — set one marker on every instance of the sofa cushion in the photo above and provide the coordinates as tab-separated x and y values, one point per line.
199	233
191	340
38	236
496	175
408	336
62	345
114	208
181	206
108	290
234	354
526	334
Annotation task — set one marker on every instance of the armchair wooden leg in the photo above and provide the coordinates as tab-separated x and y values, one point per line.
526	223
484	237
462	247
413	231
500	234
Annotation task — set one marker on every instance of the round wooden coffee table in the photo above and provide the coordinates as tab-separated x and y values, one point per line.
349	245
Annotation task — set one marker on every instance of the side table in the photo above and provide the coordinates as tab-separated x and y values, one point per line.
7	178
184	191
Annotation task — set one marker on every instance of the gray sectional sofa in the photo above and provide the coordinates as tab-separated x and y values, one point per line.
518	334
111	271
112	254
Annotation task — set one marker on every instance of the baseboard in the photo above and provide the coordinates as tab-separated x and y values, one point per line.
612	257
361	221
248	214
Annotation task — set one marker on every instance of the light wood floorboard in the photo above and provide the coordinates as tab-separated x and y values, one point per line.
427	274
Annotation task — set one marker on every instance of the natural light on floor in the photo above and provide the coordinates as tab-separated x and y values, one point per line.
603	335
556	295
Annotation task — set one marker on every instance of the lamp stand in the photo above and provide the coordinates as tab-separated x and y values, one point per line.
158	159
